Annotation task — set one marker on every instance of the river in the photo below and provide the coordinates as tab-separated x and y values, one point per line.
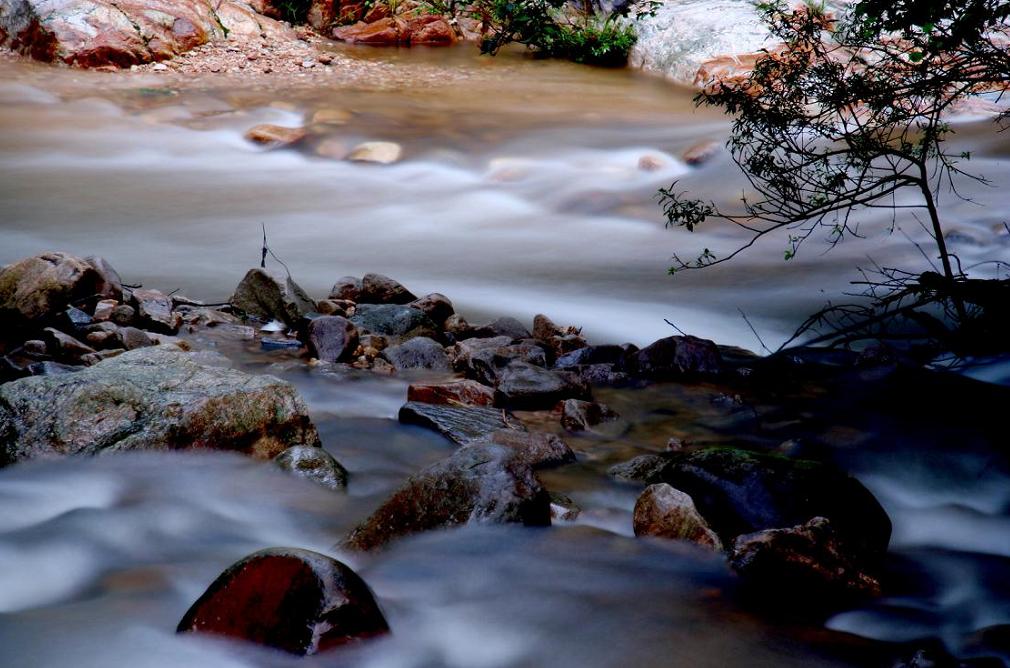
521	191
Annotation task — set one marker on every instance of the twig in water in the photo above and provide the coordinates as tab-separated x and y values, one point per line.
754	331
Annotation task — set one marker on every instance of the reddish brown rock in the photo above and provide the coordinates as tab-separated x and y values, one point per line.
275	135
666	512
394	30
293	600
429	29
460	393
323	13
379	11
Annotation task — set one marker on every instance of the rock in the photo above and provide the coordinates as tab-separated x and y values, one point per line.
63	346
275	135
262	296
379	289
346	287
322	14
332	338
563	509
35	347
103	310
522	385
458	326
666	512
390	31
462	352
418	353
679	356
606	354
293	600
479	483
578	415
73	319
123	315
377	152
154	309
110	285
809	561
330	307
430	29
456	393
393	320
740	492
536	449
44	368
544	328
313	463
509	327
486	365
701	153
460	424
436	306
331	116
376	13
39	288
156	398
92	359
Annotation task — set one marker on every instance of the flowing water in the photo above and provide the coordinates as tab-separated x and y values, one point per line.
522	190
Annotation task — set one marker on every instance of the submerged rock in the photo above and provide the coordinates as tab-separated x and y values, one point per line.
739	492
482	482
313	463
376	152
156	398
275	135
293	600
666	512
460	424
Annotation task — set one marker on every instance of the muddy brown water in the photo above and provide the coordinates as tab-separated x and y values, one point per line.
520	192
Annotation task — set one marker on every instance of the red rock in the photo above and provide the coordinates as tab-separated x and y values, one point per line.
430	29
294	600
462	392
378	12
388	31
322	13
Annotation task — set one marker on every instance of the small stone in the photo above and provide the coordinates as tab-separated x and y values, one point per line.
578	415
313	463
275	135
378	152
160	67
666	512
131	338
650	163
123	315
330	115
103	310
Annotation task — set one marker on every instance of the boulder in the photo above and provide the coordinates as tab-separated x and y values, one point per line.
810	561
260	295
436	306
313	463
275	135
63	346
130	338
390	31
578	415
39	288
418	353
536	449
393	320
322	14
526	386
666	512
478	483
154	310
461	352
293	600
509	327
346	287
430	29
156	398
486	364
678	357
332	338
607	354
456	393
739	492
460	424
379	289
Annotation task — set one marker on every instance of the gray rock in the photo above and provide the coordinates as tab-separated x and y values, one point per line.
460	424
436	306
479	483
666	512
509	327
63	346
346	287
379	289
123	315
156	398
578	415
332	338
393	320
131	338
154	310
418	353
461	352
297	601
262	296
313	463
679	356
526	386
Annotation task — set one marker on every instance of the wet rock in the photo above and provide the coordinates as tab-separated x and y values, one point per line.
526	386
103	310
559	341
63	346
379	289
679	356
740	492
563	509
458	326
262	296
431	30
486	364
418	353
376	152
330	307
509	327
479	483
666	512
313	463
154	310
156	398
293	600
74	319
35	348
346	287
393	320
436	306
810	561
123	315
606	354
460	424
701	152
332	338
39	288
461	353
578	415
536	449
456	393
275	135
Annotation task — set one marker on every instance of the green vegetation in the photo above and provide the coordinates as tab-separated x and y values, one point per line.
294	11
844	119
